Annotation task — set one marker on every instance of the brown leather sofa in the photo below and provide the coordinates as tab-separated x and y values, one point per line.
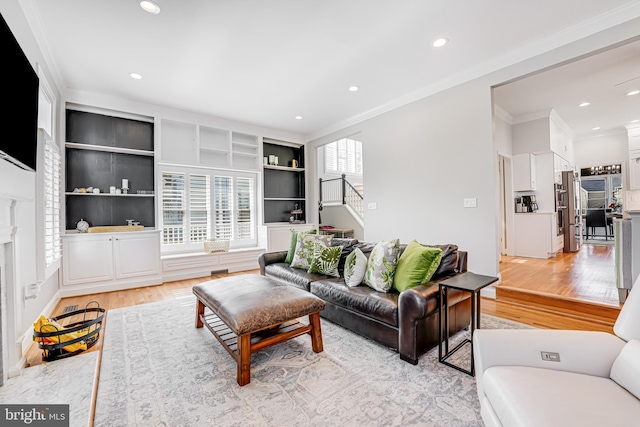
406	322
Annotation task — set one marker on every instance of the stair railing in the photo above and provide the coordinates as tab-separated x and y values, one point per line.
340	190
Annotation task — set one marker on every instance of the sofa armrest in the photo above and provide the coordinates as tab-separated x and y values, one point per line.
462	261
584	352
267	258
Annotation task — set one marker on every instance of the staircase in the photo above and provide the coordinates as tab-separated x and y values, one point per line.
339	191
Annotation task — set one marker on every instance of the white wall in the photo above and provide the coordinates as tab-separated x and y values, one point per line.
421	161
502	135
22	184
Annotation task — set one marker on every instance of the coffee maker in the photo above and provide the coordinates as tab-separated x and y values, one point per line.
530	204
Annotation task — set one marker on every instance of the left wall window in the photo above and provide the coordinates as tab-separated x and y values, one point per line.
49	186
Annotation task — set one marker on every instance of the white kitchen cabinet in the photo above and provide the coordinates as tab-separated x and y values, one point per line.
103	262
560	165
634	169
536	235
524	172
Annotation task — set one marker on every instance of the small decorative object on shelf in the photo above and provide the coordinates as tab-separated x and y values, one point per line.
216	245
82	226
296	214
57	341
125	185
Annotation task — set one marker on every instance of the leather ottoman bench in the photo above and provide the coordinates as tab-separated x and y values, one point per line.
250	312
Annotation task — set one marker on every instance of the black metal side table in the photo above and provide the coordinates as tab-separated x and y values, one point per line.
466	282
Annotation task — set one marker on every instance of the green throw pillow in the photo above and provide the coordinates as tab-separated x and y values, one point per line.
303	254
355	266
382	265
292	244
416	266
325	259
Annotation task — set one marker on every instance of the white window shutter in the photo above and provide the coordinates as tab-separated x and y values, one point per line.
245	208
223	207
199	207
173	208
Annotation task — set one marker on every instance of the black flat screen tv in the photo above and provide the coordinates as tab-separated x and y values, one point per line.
19	118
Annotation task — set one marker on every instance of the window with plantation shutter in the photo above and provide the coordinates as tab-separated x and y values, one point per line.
199	207
173	208
245	218
343	156
52	241
48	232
203	203
223	207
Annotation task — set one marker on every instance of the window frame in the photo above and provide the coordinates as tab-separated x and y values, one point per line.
187	246
350	156
48	264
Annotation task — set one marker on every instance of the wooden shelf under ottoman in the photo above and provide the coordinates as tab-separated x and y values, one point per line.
249	313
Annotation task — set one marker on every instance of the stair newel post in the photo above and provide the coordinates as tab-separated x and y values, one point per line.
344	188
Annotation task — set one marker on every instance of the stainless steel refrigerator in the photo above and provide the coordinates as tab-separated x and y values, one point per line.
572	215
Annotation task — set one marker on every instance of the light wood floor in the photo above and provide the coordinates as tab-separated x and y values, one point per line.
586	275
527	273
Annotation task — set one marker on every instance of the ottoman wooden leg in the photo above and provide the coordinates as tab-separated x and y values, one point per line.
199	313
316	332
244	360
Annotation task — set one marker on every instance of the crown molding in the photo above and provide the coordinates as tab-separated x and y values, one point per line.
568	35
502	114
535	115
601	134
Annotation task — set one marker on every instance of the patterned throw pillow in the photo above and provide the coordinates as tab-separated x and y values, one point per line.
325	259
355	266
303	254
382	265
292	244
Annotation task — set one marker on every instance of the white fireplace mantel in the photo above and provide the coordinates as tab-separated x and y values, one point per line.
11	357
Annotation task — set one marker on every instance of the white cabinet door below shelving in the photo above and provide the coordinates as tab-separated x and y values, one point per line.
88	260
136	255
279	235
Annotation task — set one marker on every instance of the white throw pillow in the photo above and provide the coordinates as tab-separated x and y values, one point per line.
355	266
382	265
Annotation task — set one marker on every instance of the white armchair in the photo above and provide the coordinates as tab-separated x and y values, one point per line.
561	378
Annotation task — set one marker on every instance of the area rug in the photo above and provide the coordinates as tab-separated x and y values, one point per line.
159	370
66	381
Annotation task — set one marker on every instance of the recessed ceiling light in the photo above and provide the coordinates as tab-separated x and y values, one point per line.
149	6
596	128
633	92
584	104
298	117
353	88
136	76
439	42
